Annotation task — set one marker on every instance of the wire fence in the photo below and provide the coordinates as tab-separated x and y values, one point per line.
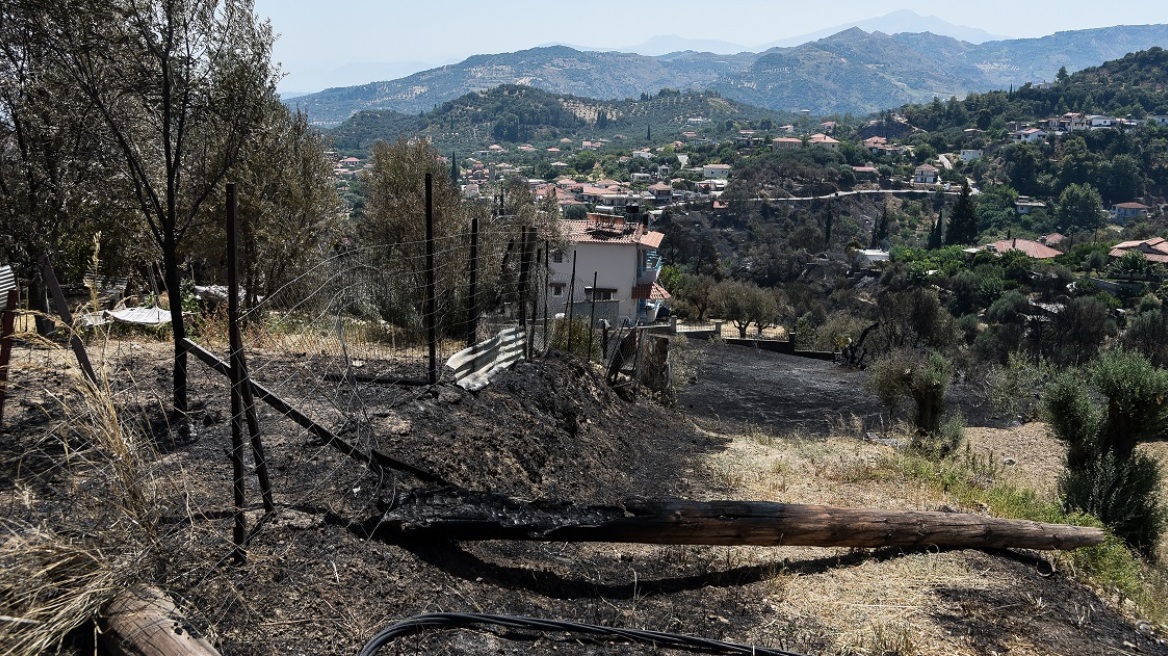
341	345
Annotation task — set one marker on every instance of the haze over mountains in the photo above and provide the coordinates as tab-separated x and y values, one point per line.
314	75
853	71
896	22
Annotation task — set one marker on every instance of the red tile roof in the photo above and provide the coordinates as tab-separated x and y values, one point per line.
1031	248
651	292
652	239
1155	249
603	229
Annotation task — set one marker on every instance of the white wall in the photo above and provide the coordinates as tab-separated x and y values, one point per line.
615	266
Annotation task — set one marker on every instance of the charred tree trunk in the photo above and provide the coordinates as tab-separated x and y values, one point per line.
178	327
462	515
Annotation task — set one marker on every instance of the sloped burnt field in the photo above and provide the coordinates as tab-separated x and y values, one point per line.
738	387
317	582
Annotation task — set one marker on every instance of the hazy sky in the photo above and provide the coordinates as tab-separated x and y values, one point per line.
348	42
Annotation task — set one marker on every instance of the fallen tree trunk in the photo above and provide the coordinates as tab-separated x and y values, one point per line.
145	622
463	515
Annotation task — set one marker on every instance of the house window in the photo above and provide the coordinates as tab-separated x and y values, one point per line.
558	257
557	290
599	294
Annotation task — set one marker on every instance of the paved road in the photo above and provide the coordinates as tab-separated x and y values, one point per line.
854	192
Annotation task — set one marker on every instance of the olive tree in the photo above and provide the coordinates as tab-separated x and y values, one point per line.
179	86
744	303
917	375
1105	475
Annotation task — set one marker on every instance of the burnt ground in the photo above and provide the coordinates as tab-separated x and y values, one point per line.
317	581
741	387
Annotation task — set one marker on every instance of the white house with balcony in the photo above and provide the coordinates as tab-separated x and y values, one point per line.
925	174
715	171
1028	135
620	254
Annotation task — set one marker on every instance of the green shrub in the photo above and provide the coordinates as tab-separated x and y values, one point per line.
924	378
1105	476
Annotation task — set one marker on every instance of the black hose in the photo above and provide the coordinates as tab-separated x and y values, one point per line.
421	623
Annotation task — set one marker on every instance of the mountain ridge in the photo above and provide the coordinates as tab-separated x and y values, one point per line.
852	71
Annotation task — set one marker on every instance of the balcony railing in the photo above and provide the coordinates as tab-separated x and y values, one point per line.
647	274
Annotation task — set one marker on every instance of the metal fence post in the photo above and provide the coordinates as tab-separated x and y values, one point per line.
472	311
592	319
571	302
431	311
239	525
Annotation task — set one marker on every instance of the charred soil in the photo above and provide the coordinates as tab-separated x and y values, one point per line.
319	579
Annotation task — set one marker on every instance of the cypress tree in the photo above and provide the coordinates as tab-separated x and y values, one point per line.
936	231
963	226
453	168
880	233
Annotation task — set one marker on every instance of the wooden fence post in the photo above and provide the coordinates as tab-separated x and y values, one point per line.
50	278
7	328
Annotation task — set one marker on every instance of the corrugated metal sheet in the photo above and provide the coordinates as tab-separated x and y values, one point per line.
149	316
476	366
7	279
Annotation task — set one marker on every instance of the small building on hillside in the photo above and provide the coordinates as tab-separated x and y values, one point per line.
925	174
662	193
1028	135
1031	248
716	171
1024	205
1155	249
1123	212
620	253
823	141
786	143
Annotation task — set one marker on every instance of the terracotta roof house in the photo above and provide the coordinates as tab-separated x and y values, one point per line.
1053	239
1031	248
662	192
925	174
622	255
1124	212
781	143
1155	249
823	141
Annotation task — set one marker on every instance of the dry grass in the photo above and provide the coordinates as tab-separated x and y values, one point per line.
928	604
78	533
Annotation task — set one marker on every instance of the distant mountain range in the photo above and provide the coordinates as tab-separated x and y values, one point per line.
852	71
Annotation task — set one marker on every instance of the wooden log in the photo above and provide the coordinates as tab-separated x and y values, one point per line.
461	515
145	622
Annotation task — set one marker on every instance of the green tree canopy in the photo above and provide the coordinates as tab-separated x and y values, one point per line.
1079	208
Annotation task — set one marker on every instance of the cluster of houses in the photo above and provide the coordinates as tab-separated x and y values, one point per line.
606	195
1075	122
